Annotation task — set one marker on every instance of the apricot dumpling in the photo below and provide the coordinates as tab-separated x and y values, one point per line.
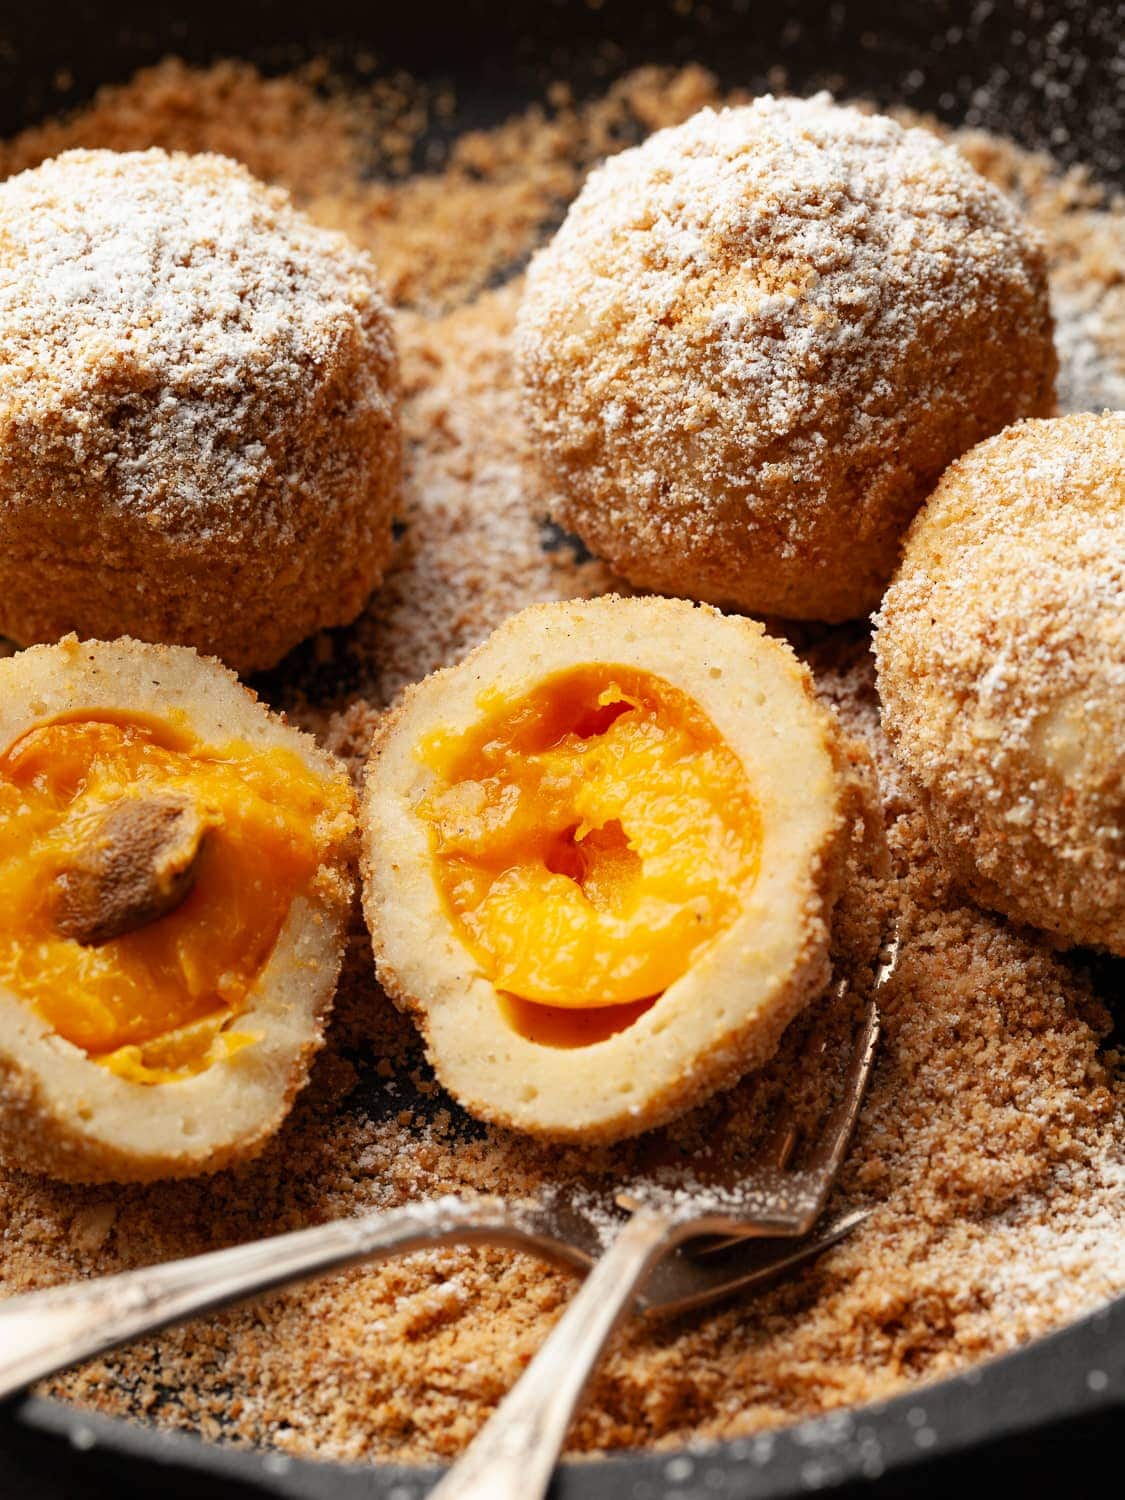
600	860
1000	653
173	890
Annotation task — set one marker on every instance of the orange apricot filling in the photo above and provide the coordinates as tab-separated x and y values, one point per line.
154	1003
589	840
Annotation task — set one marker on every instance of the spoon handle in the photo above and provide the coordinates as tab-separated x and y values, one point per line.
514	1454
43	1332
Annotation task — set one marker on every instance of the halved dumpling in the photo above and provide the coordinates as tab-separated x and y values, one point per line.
174	884
600	858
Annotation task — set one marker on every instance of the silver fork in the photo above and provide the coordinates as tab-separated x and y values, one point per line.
43	1332
515	1453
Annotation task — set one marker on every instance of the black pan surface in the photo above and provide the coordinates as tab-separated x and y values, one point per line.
1050	73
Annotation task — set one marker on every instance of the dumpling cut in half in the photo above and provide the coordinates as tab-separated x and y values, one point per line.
600	861
174	884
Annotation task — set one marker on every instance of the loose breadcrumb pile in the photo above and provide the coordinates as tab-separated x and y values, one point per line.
991	1147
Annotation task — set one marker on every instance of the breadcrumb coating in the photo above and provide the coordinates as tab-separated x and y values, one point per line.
758	339
991	1146
198	409
1001	651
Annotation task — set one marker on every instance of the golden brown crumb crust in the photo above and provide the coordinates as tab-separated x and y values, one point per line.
990	1149
1001	651
61	1113
199	423
758	339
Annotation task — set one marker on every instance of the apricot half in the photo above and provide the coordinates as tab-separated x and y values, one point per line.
172	891
600	861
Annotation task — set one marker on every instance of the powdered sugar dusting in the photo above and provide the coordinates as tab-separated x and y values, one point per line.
990	1150
1002	672
758	338
182	282
1091	356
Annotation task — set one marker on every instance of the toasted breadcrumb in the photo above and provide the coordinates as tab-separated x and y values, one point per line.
990	1150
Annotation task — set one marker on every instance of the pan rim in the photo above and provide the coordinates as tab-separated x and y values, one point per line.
1074	1371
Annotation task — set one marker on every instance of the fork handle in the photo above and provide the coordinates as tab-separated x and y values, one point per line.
515	1453
43	1332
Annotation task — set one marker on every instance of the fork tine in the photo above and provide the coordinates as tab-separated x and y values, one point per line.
826	1156
776	1152
786	1141
680	1282
781	1138
805	1189
771	1196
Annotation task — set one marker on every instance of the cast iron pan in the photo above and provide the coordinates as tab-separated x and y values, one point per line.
1046	72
